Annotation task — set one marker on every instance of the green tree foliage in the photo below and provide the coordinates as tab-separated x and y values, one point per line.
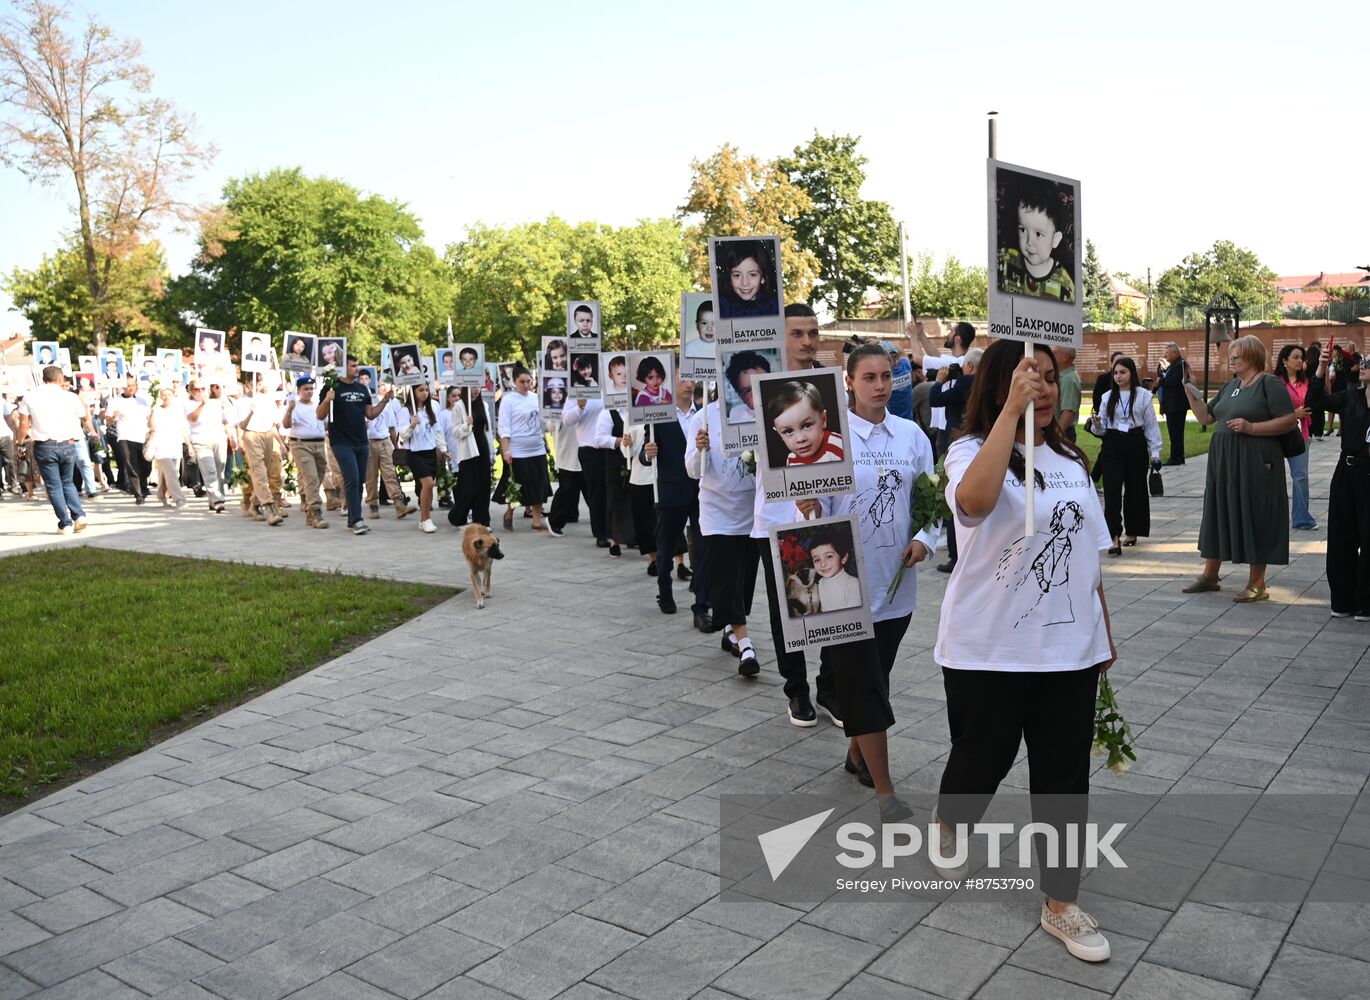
1226	268
1098	292
55	298
954	292
855	241
512	283
289	252
736	195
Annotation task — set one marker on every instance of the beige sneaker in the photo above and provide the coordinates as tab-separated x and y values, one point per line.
947	848
404	511
1078	930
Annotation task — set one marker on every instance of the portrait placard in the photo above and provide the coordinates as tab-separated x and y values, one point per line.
387	373
469	372
430	369
208	345
1034	256
19	379
297	352
112	367
555	357
552	395
169	360
368	376
331	352
738	367
491	378
747	290
505	377
45	353
87	363
582	320
651	387
446	360
406	364
698	359
803	434
584	375
820	573
85	381
64	360
255	352
614	366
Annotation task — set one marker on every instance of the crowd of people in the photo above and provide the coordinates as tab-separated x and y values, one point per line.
698	517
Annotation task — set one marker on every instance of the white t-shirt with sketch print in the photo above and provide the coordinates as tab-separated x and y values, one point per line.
1025	604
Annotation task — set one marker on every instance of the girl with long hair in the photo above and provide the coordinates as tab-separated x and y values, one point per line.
422	436
1292	370
1127	422
471	495
1024	629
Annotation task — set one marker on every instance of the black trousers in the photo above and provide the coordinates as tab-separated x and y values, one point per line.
943	443
861	673
592	474
1348	537
642	499
136	467
732	576
566	500
1127	501
1317	422
670	522
792	666
989	712
471	496
1174	425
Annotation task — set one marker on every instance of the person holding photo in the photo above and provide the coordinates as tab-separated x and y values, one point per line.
523	445
472	467
306	433
1127	422
726	492
1028	669
129	413
53	424
797	415
382	434
747	288
208	420
262	445
420	433
1291	370
582	415
888	454
651	375
677	504
347	409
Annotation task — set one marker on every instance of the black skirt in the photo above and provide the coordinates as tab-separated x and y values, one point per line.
423	464
531	475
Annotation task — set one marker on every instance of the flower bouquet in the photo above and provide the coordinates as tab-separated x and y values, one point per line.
329	379
927	506
748	459
1112	734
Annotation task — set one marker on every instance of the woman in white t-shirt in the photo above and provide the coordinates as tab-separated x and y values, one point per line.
1024	630
167	433
888	454
421	433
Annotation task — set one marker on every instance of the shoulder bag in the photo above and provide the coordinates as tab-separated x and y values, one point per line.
1291	441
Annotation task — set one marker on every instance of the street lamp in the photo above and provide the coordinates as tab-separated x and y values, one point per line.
631	330
1222	320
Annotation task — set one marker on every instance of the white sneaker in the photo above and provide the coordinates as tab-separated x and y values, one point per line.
1341	614
68	530
428	527
947	849
1078	930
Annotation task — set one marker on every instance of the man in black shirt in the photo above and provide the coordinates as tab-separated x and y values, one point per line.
347	409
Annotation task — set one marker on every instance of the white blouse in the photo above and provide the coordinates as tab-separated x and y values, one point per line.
1140	414
726	488
638	474
423	436
456	431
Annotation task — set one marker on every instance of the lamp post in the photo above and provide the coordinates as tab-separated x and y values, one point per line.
631	330
1223	318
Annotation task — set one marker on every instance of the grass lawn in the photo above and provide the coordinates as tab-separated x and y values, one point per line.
109	652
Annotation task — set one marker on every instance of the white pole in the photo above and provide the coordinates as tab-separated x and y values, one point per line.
1029	444
904	271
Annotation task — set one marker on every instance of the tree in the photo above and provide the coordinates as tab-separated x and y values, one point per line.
735	195
1098	292
288	252
855	241
81	108
1226	268
55	298
954	292
512	284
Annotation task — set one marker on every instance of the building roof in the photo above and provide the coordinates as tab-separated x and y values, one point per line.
1124	289
1309	289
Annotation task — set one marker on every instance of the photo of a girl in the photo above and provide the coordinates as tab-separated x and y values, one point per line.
747	279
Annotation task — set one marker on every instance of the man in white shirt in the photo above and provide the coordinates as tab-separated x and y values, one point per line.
209	438
51	419
307	432
382	435
130	413
959	343
260	445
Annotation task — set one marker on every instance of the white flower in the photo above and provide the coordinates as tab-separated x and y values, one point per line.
1099	750
1121	767
748	457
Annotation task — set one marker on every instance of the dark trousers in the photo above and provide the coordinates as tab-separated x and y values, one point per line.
1174	425
566	500
136	468
989	712
861	671
670	522
1317	422
732	576
643	502
9	463
1127	501
1348	537
471	497
352	460
792	666
592	472
943	443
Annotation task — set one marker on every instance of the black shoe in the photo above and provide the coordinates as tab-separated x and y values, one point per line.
666	603
861	771
444	504
651	569
527	511
893	809
615	551
199	494
730	645
747	665
829	708
703	622
139	500
385	501
1173	462
801	712
601	543
1115	551
683	572
554	531
946	567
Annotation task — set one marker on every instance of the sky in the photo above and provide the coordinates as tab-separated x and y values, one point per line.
1185	123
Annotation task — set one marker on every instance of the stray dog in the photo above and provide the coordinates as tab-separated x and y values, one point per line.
480	548
801	592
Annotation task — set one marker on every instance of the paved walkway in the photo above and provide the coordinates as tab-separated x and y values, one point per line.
522	801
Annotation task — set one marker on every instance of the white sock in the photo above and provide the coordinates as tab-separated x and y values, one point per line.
744	644
728	631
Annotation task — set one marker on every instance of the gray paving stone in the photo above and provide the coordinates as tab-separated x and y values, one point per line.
465	988
14	986
488	824
58	875
12	896
68	909
294	864
160	966
511	858
174	871
1013	983
340	986
676	963
638	846
401	862
93	985
17	933
417	903
516	911
270	918
1218	944
121	853
286	829
648	902
415	965
1156	982
219	894
801	962
947	964
1303	974
1045	954
555	958
397	822
878	924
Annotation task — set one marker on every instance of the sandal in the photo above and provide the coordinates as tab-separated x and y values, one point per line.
1202	585
1251	595
1130	541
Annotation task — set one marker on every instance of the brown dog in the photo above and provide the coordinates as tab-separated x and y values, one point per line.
481	549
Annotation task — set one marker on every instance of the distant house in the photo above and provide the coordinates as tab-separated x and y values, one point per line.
1123	292
14	349
1310	290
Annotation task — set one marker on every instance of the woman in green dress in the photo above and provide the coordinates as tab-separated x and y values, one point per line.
1246	509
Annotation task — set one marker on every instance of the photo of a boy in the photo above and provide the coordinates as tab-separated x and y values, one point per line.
618	374
738	375
468	356
582	321
796	413
701	345
1035	237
